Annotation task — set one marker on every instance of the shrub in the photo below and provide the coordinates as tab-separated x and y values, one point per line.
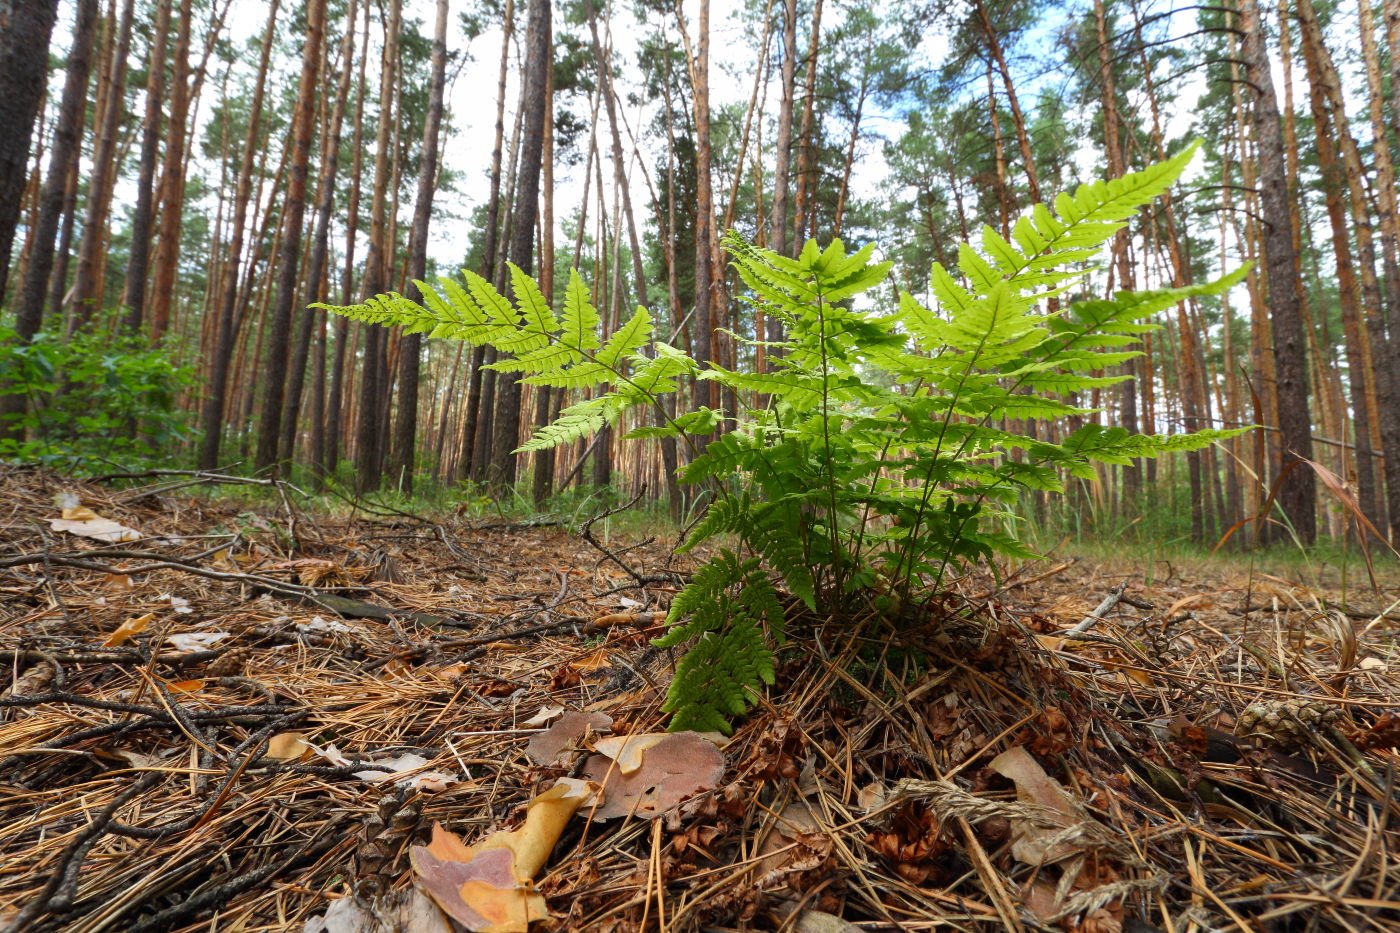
875	454
92	399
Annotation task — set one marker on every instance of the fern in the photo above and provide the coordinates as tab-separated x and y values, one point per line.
874	452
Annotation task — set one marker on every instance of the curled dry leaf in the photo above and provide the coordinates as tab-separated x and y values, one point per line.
488	887
129	630
546	714
679	766
595	661
408	911
1031	838
194	641
571	726
288	746
398	770
83	521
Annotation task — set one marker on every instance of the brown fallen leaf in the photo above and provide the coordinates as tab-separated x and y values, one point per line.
545	818
481	894
288	746
546	746
83	521
128	630
679	766
595	661
1030	838
488	887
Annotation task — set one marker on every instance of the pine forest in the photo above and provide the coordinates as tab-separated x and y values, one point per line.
813	465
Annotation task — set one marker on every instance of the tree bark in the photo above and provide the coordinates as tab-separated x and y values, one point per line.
211	420
369	440
1297	488
67	142
807	167
172	181
337	397
88	279
545	396
314	321
25	29
280	333
134	294
538	48
406	429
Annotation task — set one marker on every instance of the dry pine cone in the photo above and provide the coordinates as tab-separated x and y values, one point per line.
1288	724
231	663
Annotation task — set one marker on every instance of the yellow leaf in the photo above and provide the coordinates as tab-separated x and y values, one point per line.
128	629
595	661
545	819
186	686
288	746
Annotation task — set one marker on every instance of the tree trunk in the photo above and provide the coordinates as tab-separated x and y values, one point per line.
1360	371
374	376
538	48
337	396
807	168
1298	489
88	279
405	431
778	222
545	396
479	400
134	295
280	333
66	147
211	420
316	265
67	144
172	181
25	29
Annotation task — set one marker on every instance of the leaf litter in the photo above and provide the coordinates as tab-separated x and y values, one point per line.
1215	751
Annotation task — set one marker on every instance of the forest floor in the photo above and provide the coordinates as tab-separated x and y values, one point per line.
191	739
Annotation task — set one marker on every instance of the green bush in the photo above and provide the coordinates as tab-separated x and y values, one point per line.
879	450
94	399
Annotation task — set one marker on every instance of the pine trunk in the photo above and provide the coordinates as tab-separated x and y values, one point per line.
25	28
406	429
1297	484
525	206
276	361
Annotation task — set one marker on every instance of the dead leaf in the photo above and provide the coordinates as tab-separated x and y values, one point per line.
819	921
546	714
679	766
128	630
394	769
872	796
488	887
627	750
194	641
482	893
288	746
545	747
1040	899
409	911
545	819
1030	838
185	686
88	524
593	662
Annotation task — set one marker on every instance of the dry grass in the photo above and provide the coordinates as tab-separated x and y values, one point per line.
862	789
